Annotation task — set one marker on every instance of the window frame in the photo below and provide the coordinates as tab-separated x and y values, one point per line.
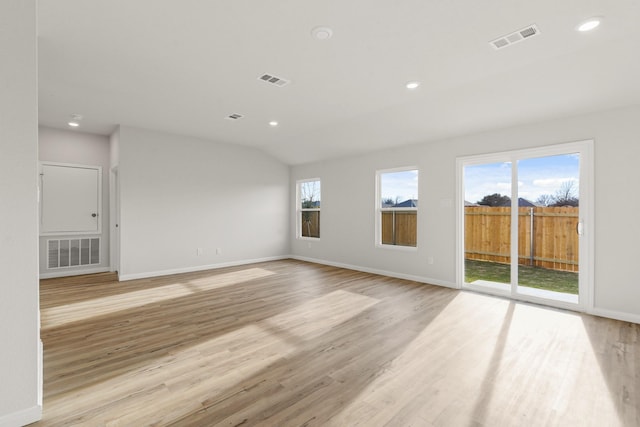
379	210
300	210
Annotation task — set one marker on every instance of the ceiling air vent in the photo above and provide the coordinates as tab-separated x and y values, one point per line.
234	116
277	81
515	37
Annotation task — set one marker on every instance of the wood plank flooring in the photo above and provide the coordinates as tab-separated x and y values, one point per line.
290	343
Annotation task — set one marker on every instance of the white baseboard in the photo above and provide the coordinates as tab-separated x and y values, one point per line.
134	276
22	418
67	273
420	279
617	315
611	314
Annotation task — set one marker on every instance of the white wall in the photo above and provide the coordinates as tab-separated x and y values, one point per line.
20	353
178	194
348	193
114	147
67	146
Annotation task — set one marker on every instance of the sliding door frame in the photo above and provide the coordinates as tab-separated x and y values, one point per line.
586	195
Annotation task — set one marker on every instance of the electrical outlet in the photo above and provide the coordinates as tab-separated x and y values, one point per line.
200	251
218	251
309	245
430	260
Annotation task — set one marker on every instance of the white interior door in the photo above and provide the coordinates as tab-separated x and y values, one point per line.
70	199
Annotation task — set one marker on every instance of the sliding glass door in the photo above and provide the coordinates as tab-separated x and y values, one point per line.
522	224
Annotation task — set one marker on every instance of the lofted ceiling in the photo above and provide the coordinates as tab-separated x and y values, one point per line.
183	66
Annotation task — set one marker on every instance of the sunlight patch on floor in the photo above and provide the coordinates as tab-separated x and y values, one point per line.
222	364
56	316
319	315
226	364
515	366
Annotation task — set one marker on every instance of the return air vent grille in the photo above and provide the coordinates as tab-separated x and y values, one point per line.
515	37
73	252
276	81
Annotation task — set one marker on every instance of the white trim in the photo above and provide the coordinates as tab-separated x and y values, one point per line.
40	369
378	209
587	189
386	273
401	248
134	276
299	209
114	219
66	273
610	314
22	418
617	315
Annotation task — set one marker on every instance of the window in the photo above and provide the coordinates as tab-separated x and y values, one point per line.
308	208
397	207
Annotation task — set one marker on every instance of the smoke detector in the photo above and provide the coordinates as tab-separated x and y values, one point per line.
322	33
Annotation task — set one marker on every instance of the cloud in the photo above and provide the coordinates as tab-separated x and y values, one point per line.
552	183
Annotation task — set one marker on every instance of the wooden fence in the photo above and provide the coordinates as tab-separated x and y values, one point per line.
399	228
310	224
554	229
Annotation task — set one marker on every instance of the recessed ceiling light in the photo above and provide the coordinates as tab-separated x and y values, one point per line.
273	123
74	124
322	33
589	24
412	85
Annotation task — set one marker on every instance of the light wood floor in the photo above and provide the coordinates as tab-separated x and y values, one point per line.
290	343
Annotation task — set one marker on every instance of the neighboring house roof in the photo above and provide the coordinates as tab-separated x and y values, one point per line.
411	203
470	204
522	203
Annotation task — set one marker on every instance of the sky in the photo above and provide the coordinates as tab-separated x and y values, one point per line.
536	176
399	185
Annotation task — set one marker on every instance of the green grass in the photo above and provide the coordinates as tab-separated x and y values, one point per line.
532	277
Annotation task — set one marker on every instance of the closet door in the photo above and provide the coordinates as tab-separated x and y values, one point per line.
70	199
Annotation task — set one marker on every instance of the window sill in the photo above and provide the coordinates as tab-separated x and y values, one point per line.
397	247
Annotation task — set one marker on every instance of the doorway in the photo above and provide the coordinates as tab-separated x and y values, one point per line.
525	224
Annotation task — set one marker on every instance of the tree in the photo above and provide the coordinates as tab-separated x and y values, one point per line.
544	200
495	199
566	195
388	201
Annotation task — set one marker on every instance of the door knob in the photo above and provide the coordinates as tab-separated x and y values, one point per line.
94	215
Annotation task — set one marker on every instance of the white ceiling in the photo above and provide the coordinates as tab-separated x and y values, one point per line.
183	66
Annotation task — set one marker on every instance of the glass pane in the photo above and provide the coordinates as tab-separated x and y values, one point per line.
310	224
310	195
399	228
399	189
487	225
548	199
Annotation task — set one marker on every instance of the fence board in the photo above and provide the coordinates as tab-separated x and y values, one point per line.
310	224
404	232
555	240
